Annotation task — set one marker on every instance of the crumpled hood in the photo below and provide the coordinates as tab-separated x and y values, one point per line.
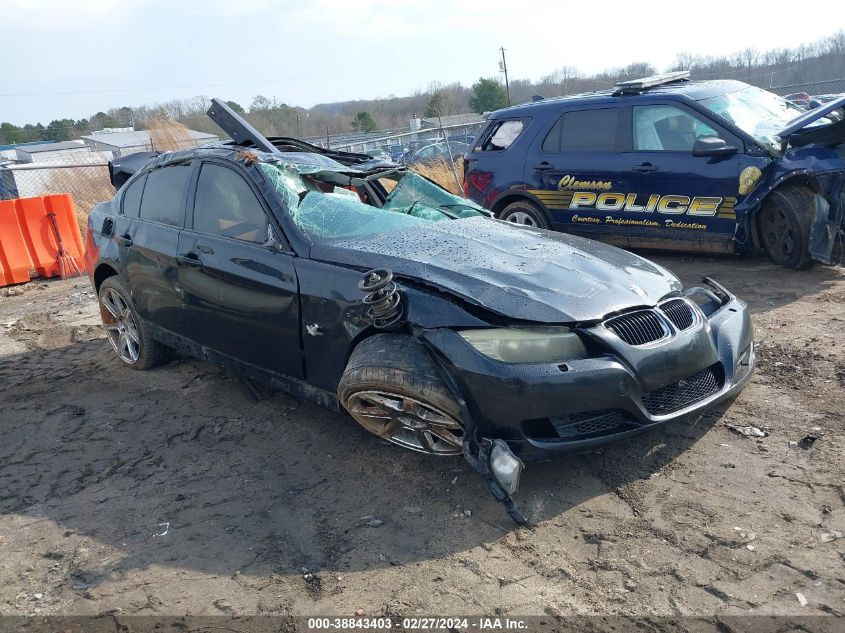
518	272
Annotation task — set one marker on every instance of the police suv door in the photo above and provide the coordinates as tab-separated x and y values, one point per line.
576	157
685	201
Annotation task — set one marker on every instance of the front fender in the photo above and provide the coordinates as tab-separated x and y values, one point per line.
823	171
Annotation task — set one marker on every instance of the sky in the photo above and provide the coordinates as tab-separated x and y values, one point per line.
73	58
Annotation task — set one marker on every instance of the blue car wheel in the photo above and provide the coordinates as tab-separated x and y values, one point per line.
784	223
524	213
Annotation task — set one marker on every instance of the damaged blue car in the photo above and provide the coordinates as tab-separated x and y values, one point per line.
665	162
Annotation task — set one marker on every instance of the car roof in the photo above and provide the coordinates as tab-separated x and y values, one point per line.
693	90
291	151
231	151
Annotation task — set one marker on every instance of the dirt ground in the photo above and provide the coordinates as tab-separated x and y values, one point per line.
175	491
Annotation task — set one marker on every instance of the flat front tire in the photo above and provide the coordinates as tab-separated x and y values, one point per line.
784	222
126	331
392	388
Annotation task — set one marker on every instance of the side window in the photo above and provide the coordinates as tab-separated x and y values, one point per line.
226	205
585	131
502	135
132	198
164	194
664	128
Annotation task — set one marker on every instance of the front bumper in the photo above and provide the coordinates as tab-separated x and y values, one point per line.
546	409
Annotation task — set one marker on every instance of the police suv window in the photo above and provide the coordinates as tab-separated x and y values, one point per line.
665	128
164	194
226	205
132	198
585	131
502	135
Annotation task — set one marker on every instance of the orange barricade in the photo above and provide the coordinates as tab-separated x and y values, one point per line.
28	244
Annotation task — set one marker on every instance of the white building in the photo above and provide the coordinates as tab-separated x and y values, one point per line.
51	152
123	141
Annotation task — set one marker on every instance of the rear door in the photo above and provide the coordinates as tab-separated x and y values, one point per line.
573	168
147	233
496	161
239	289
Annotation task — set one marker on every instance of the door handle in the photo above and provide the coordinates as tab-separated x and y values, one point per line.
544	166
190	259
125	240
645	168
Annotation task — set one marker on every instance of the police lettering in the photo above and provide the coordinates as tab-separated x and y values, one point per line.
568	182
668	204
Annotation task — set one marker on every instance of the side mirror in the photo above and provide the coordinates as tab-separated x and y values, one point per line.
712	146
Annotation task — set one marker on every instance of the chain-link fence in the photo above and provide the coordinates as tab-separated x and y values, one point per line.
826	87
87	182
463	132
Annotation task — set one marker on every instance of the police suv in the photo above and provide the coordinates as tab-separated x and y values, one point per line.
665	162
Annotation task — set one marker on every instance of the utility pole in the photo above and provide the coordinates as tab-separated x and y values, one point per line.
503	67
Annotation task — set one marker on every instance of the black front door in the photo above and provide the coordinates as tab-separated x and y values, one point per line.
239	291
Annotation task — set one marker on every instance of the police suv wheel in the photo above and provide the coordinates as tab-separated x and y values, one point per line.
784	223
524	213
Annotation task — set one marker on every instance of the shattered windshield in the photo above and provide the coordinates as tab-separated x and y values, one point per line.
760	113
323	208
414	189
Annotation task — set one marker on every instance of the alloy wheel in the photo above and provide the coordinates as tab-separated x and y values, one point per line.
121	329
521	217
407	422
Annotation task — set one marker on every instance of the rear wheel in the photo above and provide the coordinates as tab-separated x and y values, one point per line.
127	333
524	213
784	222
392	388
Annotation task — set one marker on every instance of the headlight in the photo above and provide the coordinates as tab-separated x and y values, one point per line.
527	344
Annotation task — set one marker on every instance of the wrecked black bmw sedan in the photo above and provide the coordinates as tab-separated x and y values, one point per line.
360	285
